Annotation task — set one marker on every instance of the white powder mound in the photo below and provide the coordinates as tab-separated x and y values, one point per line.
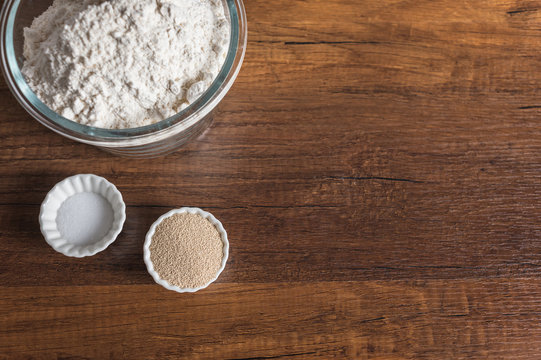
124	63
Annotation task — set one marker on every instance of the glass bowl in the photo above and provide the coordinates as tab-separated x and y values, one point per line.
153	140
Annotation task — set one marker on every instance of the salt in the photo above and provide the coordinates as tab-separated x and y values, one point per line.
84	218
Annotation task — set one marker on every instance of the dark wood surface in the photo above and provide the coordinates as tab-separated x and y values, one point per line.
377	166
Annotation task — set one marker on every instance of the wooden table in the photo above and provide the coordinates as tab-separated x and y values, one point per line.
377	165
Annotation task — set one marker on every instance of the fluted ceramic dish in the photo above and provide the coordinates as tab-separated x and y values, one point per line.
64	190
148	240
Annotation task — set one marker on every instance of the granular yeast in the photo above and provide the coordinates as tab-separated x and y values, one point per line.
186	250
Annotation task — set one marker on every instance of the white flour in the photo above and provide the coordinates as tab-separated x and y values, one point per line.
124	63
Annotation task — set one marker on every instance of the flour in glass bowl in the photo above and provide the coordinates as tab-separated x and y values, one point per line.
124	63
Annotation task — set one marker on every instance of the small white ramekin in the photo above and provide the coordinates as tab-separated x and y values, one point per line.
67	188
148	240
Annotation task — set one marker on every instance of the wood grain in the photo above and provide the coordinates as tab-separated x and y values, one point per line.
377	166
435	319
